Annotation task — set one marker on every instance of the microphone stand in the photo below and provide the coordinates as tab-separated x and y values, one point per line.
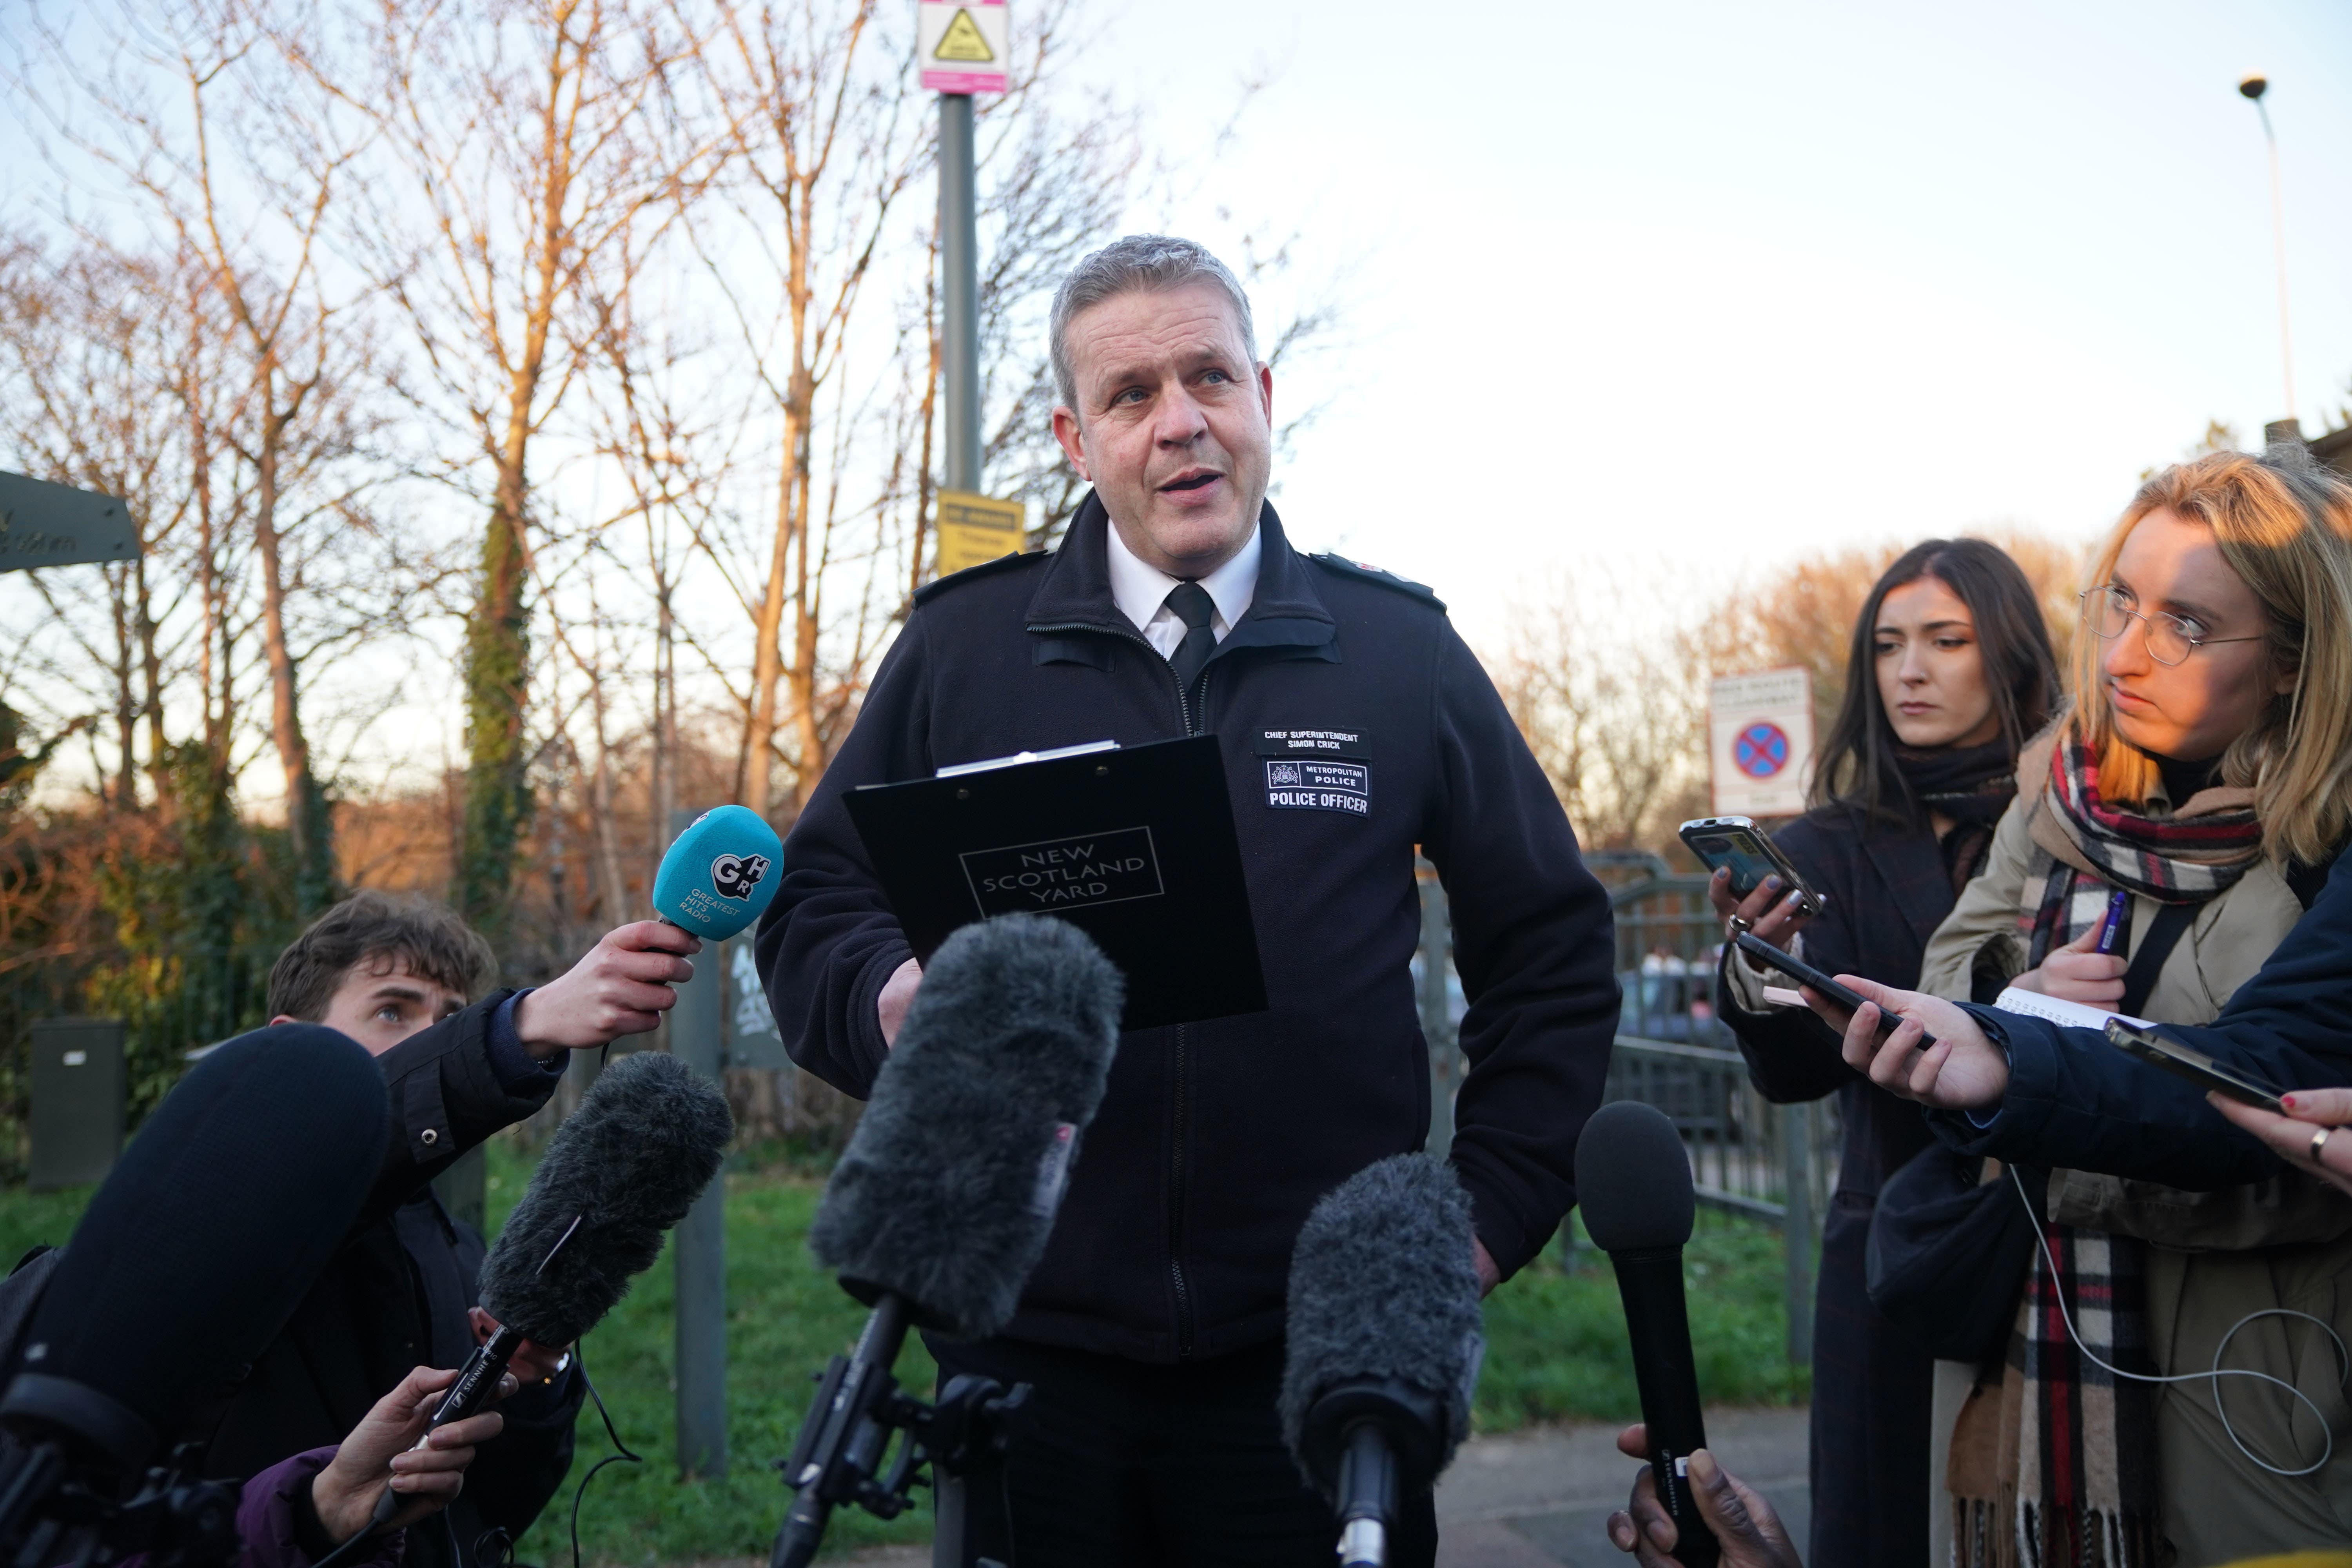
838	1458
65	1452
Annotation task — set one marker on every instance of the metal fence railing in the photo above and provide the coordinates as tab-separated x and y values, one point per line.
1776	1163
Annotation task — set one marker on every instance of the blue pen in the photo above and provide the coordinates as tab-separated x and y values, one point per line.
2111	928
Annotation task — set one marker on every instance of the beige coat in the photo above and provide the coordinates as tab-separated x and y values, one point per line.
2213	1258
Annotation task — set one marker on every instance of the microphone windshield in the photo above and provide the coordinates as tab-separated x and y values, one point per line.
721	874
209	1232
625	1166
947	1193
1383	1290
1633	1179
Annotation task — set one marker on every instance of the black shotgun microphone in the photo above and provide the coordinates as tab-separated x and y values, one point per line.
621	1171
193	1254
1633	1182
943	1201
1385	1342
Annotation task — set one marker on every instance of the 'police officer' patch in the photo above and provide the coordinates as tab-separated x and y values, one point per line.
1303	785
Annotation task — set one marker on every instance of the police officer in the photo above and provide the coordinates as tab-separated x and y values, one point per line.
1355	725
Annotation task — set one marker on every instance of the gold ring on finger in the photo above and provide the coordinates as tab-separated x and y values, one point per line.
2319	1142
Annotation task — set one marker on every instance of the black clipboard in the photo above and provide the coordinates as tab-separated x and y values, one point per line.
1133	847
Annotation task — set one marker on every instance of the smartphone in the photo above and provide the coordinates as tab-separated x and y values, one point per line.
1738	843
1804	973
2195	1065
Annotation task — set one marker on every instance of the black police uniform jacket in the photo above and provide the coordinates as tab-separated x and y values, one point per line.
1214	1139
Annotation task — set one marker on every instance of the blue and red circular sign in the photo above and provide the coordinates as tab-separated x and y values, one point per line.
1760	751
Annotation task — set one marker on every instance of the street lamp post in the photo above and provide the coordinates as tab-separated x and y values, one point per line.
2254	87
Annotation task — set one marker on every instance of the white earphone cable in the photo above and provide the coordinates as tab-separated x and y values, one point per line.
2343	1357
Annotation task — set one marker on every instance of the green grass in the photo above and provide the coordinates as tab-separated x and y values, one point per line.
1556	1348
1555	1351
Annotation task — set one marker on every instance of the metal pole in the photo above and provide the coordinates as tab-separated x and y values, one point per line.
699	1253
2252	88
1797	1226
958	293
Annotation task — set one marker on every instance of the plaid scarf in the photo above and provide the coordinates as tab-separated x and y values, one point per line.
2055	1466
2199	849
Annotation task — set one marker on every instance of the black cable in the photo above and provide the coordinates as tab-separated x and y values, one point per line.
580	1364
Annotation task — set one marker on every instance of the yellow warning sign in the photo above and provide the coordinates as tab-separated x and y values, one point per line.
976	528
962	41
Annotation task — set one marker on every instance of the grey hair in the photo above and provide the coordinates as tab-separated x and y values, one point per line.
1128	266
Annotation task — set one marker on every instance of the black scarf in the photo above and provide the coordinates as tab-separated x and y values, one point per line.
1971	785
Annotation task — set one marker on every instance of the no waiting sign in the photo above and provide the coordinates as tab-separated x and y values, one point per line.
960	45
1761	741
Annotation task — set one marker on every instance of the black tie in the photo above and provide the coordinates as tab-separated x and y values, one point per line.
1194	607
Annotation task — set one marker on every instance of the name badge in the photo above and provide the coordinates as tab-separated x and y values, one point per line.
1313	741
1304	785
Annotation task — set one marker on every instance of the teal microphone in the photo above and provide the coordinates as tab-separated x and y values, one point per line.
721	874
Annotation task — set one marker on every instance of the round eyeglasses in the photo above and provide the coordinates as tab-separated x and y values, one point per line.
2170	638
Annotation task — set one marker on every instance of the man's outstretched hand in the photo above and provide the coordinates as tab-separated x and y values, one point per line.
622	987
1750	1534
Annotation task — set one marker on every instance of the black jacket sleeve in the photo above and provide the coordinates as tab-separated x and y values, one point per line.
829	943
2075	1101
1535	943
446	1099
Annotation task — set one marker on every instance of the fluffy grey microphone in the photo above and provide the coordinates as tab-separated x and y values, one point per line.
625	1166
947	1192
1383	1291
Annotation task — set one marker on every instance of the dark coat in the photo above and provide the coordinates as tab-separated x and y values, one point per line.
1215	1138
395	1299
1886	891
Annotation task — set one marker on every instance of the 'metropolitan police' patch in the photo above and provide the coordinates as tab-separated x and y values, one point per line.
1303	785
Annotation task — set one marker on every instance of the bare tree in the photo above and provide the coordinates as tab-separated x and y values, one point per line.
527	143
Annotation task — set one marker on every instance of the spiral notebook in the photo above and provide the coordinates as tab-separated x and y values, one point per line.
1135	846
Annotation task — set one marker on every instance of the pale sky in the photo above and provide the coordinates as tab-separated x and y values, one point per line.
1725	281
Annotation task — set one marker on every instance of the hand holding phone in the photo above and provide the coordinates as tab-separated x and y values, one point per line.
1737	845
2170	1056
1806	974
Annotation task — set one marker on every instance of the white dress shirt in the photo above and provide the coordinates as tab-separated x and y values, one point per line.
1141	590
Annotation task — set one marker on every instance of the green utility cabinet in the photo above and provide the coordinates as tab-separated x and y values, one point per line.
80	1091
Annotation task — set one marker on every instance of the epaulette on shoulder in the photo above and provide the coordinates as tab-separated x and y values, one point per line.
1011	561
1364	571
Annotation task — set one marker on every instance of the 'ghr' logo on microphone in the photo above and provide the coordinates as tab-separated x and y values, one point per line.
736	875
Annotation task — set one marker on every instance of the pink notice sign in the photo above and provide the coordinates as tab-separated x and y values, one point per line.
960	45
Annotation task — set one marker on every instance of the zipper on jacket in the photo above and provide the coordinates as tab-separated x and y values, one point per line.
1182	1121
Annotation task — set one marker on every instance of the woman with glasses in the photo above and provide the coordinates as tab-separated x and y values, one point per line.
2167	833
1951	670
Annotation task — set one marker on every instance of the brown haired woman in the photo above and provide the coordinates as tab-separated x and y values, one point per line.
1950	671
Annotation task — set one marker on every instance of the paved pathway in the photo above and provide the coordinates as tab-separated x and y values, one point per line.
1536	1500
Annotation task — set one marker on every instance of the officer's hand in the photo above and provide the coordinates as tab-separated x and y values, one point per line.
1483	1260
1770	908
897	996
1744	1525
622	987
382	1451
